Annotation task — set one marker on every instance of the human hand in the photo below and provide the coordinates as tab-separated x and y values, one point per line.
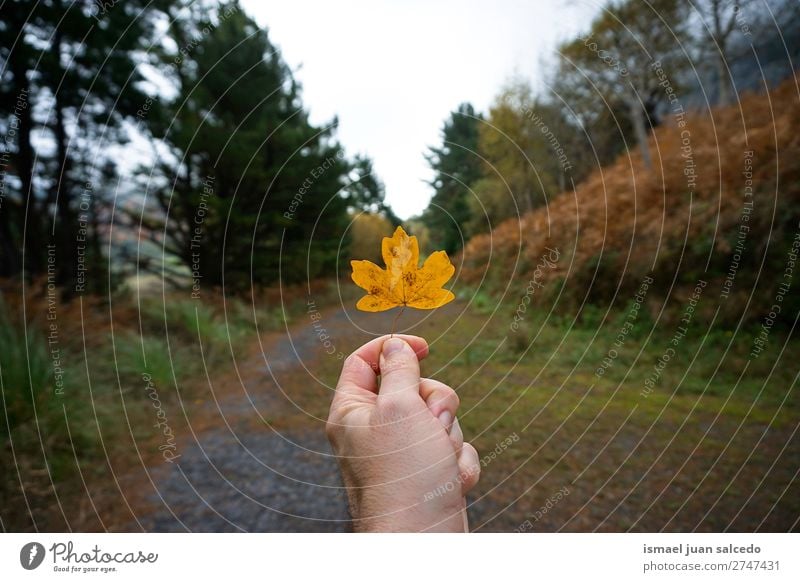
400	449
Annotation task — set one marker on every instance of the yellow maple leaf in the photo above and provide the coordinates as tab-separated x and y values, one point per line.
402	282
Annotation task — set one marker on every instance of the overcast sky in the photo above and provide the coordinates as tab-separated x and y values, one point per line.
393	70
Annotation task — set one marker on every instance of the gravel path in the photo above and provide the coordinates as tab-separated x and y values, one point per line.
239	475
251	481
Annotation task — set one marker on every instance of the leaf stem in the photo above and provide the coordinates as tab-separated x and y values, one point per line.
399	313
394	323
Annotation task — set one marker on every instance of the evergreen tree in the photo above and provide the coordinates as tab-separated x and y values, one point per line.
366	192
456	167
72	78
251	190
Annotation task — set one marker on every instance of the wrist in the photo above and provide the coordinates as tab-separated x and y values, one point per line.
387	509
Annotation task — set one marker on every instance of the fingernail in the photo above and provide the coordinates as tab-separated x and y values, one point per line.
446	418
392	346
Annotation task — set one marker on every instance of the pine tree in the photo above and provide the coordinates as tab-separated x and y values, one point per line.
75	65
252	190
366	192
456	167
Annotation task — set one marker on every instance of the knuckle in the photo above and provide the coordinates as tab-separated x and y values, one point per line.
474	476
452	397
333	425
477	471
399	363
332	430
387	407
391	408
446	398
351	361
356	363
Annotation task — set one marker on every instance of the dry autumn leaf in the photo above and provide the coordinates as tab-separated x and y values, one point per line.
402	282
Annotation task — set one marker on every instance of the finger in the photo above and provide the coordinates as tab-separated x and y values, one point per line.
360	369
456	436
442	400
399	369
469	467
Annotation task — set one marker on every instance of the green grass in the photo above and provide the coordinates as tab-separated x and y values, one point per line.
165	363
45	420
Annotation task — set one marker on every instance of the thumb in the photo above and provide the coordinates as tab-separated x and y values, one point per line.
399	368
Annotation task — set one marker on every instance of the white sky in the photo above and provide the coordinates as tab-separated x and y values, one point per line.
393	70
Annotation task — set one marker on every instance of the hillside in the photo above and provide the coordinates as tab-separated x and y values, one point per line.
722	204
